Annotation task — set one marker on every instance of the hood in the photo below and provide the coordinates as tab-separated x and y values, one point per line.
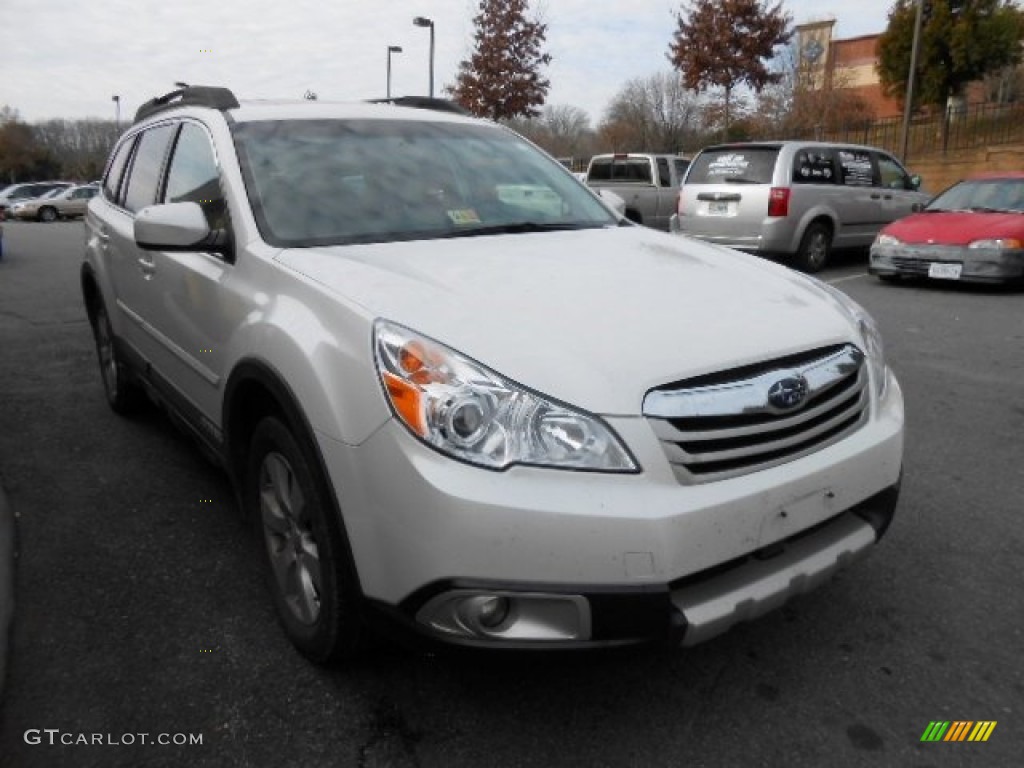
595	318
956	227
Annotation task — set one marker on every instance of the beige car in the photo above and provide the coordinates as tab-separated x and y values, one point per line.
68	204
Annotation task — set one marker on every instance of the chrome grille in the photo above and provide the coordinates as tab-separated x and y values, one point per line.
733	423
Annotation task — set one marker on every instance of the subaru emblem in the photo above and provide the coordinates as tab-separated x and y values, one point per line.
788	393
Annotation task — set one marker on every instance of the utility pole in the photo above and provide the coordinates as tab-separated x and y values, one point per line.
908	104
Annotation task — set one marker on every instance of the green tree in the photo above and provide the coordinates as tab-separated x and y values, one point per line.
961	41
727	44
502	78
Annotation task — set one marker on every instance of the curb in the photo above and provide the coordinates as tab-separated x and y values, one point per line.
7	555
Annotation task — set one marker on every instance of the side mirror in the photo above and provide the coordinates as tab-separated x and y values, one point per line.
177	227
917	207
915	182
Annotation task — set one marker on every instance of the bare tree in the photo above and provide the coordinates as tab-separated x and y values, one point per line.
727	43
562	130
502	79
802	103
657	114
22	158
81	146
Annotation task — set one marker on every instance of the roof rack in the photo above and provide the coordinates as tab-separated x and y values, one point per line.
192	95
424	102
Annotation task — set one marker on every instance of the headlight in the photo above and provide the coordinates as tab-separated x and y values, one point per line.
469	412
999	244
874	349
887	240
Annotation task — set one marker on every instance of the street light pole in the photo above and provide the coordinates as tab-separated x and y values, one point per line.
908	104
117	111
391	49
423	21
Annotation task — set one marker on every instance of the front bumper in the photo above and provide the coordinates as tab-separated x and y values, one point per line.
631	557
977	265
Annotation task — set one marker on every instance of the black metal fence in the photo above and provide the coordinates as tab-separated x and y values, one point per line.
976	125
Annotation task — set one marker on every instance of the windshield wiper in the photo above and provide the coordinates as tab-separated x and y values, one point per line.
515	228
740	180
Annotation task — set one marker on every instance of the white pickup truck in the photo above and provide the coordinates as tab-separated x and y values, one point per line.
648	183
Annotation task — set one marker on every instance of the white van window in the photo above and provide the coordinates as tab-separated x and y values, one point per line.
814	166
856	168
734	165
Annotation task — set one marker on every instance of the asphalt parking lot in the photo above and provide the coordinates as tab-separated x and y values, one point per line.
140	608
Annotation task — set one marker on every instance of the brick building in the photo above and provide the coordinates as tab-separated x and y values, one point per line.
831	63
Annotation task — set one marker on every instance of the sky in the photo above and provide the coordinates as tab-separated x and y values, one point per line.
68	58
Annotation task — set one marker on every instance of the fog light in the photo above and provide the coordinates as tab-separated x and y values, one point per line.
516	617
484	613
493	611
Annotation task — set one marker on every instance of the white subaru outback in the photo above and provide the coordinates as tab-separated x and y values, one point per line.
455	392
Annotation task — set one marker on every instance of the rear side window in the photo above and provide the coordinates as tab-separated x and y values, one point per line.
635	169
734	165
681	166
145	172
664	175
112	181
855	167
814	166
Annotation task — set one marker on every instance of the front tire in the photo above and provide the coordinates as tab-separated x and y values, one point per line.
309	570
122	391
815	248
48	215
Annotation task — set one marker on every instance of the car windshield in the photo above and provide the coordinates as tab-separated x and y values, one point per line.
983	195
325	182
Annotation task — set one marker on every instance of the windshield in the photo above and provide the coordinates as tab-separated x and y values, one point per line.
982	195
325	182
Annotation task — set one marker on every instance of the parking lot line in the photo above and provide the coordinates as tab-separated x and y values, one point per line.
848	277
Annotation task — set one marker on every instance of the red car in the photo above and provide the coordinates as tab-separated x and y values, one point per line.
972	232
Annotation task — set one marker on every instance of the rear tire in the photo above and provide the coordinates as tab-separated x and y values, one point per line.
815	248
309	570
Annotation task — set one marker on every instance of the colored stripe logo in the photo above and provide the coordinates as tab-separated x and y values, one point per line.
958	730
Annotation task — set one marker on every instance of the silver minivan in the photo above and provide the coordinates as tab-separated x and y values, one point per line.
795	198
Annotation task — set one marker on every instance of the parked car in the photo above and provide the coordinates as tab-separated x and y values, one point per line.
58	204
18	192
647	183
972	232
493	424
794	198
